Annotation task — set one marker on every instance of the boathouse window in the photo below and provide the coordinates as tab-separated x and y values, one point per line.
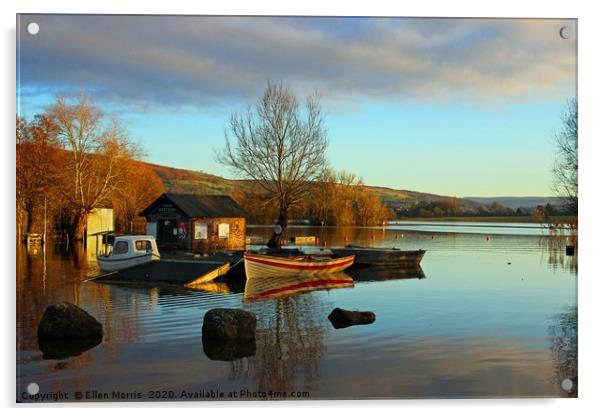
223	230
143	245
200	231
121	247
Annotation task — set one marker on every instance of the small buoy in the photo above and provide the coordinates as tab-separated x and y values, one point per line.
509	263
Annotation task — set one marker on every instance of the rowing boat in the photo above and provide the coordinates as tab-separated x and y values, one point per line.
381	257
262	266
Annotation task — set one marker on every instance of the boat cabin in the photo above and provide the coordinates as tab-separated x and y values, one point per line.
197	223
131	245
129	251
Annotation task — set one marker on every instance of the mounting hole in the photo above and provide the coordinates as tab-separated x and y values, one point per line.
33	28
566	384
33	388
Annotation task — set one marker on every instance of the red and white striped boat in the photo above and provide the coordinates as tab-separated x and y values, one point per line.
260	265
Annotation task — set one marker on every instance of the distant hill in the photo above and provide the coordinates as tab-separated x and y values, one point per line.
192	182
515	202
397	198
197	182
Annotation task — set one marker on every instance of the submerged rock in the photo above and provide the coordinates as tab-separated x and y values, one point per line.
341	318
228	324
67	321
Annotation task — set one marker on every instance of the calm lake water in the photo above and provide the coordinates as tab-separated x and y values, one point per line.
492	313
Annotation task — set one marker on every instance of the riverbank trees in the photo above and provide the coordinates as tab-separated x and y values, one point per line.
566	165
77	159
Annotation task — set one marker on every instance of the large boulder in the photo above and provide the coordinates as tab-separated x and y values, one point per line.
67	321
341	318
228	324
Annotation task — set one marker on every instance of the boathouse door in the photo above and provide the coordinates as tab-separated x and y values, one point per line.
167	231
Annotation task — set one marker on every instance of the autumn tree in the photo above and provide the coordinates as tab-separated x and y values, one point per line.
99	152
36	165
566	165
279	145
143	186
341	198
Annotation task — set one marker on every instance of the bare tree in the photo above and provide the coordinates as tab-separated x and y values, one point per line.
99	152
566	165
280	146
35	164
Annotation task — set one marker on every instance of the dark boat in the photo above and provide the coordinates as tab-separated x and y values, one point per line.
380	257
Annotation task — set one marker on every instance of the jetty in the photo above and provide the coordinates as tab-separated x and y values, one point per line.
189	273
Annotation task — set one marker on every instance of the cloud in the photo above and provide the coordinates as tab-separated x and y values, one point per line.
159	62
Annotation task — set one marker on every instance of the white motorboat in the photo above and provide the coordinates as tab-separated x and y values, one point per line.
129	251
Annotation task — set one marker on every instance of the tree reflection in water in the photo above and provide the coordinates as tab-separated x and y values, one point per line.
563	337
290	344
555	247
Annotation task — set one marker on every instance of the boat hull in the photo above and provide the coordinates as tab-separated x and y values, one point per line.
261	266
111	265
381	257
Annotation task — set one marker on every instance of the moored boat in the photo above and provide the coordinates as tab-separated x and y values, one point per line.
261	266
129	251
380	257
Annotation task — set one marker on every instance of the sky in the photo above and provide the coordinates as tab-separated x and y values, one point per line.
464	107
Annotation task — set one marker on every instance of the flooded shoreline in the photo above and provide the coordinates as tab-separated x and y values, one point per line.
487	318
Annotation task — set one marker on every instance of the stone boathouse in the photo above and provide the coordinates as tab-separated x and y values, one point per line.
199	223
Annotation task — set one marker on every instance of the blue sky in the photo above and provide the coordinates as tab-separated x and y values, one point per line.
464	107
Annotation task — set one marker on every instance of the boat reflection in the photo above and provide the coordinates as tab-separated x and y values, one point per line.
285	286
372	274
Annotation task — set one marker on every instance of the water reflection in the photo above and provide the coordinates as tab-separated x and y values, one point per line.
59	349
368	274
228	350
555	248
283	286
290	339
563	338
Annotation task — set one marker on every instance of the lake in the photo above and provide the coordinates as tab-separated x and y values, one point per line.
491	313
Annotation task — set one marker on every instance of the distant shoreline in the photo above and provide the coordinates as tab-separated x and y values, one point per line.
521	218
499	219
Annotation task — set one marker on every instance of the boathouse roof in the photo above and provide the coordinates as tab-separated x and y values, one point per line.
199	205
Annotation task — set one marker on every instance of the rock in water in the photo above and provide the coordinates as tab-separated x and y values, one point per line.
229	324
341	318
65	320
